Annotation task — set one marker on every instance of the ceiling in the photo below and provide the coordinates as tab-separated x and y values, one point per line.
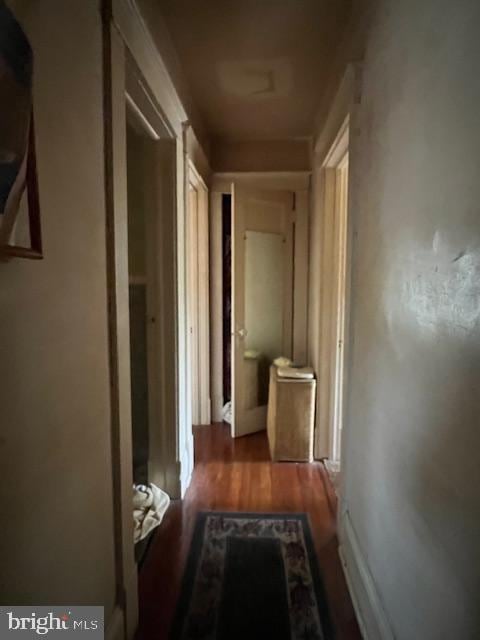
256	69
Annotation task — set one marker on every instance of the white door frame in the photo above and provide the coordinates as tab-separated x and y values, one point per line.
125	34
162	464
334	305
198	295
343	115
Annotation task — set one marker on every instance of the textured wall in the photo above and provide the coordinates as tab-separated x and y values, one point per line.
412	468
55	458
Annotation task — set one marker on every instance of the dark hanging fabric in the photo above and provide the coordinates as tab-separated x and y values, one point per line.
227	295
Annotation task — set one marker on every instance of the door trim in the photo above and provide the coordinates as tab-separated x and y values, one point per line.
125	35
126	606
335	303
343	114
202	311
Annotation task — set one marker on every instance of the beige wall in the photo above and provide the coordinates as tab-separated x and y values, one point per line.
412	445
137	230
259	155
56	476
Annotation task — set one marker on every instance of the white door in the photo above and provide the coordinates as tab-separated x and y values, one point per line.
262	262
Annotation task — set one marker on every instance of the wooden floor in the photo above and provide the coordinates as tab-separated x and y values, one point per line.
237	475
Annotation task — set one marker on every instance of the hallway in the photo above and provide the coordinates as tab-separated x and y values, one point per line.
189	190
237	475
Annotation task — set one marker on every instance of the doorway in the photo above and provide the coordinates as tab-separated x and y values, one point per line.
149	159
141	292
246	213
336	262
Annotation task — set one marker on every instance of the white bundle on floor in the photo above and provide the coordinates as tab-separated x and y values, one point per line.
227	413
149	506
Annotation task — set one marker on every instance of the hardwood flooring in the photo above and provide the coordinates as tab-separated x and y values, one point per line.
237	475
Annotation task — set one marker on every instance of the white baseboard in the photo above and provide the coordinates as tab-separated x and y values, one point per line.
371	614
185	482
186	469
115	629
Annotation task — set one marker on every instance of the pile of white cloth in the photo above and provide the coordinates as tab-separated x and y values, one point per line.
149	506
227	413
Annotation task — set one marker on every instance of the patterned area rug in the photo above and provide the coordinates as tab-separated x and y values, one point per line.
251	576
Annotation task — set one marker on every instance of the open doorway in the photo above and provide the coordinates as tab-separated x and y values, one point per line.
147	155
147	297
259	281
141	294
258	271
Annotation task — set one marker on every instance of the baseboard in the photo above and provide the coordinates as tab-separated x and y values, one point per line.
371	614
115	629
186	470
185	481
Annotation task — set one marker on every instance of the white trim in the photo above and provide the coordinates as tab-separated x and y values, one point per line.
372	618
195	177
197	155
186	469
334	304
149	130
184	432
201	318
339	147
131	38
138	39
330	144
160	86
115	629
348	94
120	340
